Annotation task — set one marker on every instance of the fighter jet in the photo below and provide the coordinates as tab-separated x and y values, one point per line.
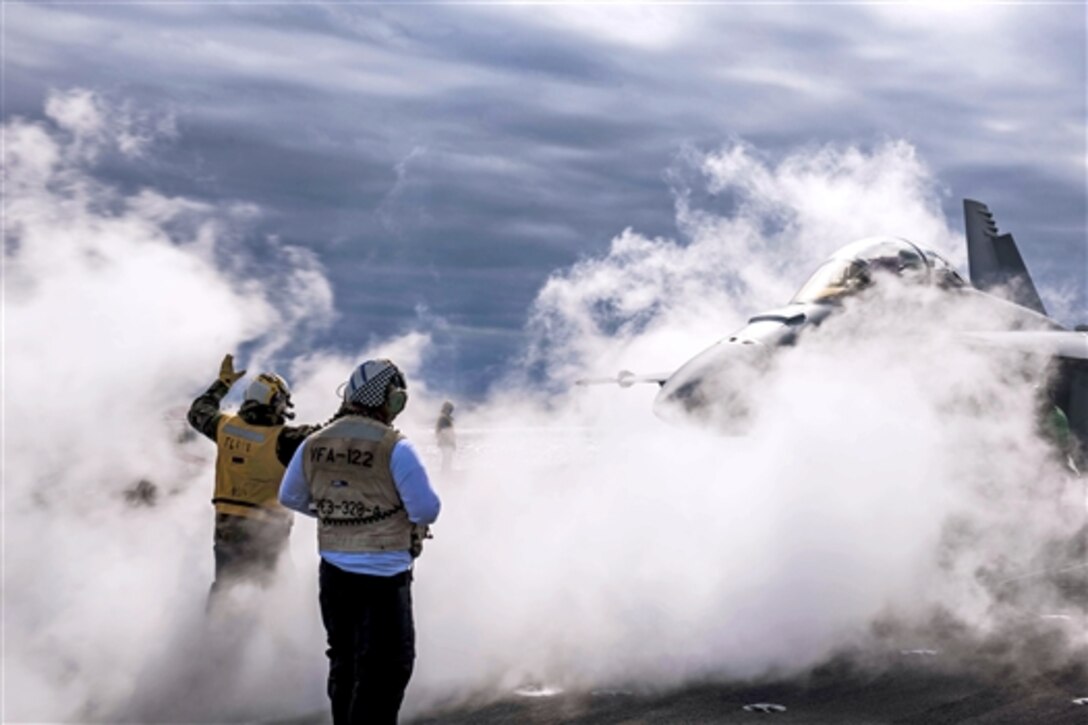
716	385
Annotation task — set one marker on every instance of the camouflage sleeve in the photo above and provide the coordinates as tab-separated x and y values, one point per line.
204	412
290	439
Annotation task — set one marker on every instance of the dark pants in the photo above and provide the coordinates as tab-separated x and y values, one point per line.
372	643
247	549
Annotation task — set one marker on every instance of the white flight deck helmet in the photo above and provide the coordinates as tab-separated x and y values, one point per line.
271	390
375	383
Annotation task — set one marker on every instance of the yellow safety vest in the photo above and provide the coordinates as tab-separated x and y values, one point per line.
247	471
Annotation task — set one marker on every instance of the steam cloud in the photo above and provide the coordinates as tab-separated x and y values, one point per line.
890	472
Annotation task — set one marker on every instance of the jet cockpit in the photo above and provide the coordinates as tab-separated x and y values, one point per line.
857	265
725	372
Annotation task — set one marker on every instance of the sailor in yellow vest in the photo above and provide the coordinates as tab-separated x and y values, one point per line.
366	485
254	447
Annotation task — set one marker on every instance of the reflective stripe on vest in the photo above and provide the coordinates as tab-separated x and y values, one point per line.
346	466
247	471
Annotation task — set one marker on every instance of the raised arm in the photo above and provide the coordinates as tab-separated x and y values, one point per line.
204	412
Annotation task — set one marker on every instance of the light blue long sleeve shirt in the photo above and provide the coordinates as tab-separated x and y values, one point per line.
420	502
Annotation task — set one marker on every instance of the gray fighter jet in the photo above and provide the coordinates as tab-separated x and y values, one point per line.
716	385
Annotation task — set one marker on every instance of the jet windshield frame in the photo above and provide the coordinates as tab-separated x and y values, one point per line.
852	269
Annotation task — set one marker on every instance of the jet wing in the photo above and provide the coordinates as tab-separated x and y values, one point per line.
1059	343
625	379
994	261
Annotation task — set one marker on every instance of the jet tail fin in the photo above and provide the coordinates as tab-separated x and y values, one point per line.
994	261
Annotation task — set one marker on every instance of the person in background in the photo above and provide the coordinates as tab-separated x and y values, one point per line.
1053	426
253	448
368	489
445	437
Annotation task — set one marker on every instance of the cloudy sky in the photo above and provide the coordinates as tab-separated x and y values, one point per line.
440	161
498	196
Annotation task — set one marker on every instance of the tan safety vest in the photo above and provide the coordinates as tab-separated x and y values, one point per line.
358	508
247	471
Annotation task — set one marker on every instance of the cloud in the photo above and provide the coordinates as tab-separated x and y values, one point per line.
117	307
788	217
893	476
582	540
546	129
643	28
80	112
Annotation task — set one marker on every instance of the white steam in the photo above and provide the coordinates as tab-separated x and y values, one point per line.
893	473
117	309
656	302
583	542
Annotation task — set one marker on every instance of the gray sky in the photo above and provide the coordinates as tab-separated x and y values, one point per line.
441	161
547	191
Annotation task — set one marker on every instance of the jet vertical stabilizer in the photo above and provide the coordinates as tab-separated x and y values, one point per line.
994	261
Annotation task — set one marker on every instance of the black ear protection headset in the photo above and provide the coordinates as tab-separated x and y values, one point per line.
396	395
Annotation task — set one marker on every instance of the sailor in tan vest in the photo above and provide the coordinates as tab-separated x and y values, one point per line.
366	485
254	446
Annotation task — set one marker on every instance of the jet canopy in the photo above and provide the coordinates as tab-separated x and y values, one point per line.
852	268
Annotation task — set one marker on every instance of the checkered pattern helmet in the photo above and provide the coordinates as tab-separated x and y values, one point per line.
369	383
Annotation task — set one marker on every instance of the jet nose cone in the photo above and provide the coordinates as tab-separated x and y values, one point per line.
716	388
